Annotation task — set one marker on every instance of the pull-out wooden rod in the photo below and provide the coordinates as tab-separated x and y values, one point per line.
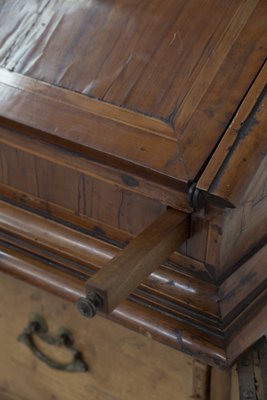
113	283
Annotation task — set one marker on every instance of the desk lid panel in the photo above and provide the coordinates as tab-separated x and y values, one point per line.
135	54
174	70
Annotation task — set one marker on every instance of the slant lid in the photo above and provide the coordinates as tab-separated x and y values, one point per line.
151	85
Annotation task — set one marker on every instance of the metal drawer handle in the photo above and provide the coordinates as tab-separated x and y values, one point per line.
38	326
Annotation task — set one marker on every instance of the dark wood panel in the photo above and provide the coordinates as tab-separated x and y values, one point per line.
220	87
82	194
179	95
83	188
42	111
237	174
117	63
116	176
234	235
181	68
97	229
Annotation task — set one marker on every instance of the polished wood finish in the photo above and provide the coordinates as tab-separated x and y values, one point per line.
132	73
52	259
141	257
84	253
111	113
49	255
249	278
79	133
245	140
86	170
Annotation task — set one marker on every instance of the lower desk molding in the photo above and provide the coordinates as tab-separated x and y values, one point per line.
131	314
178	310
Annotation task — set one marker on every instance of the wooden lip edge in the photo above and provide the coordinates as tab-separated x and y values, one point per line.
146	171
67	243
67	287
203	295
131	315
212	171
95	228
92	105
64	157
147	161
149	294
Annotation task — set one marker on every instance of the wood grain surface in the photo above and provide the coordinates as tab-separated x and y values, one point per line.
139	259
60	260
165	94
117	65
122	364
111	112
242	151
207	319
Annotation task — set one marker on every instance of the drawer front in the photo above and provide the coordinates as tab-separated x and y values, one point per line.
122	364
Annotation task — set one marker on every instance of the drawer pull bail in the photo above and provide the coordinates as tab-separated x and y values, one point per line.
37	326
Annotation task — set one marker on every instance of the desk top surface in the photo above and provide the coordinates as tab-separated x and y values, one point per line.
150	83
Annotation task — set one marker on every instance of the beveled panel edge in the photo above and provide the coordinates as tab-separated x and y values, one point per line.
92	105
218	179
37	109
172	197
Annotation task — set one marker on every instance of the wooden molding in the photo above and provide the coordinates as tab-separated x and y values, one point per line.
88	167
91	254
250	277
176	309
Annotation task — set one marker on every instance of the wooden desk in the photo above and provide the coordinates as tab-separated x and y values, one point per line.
115	114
